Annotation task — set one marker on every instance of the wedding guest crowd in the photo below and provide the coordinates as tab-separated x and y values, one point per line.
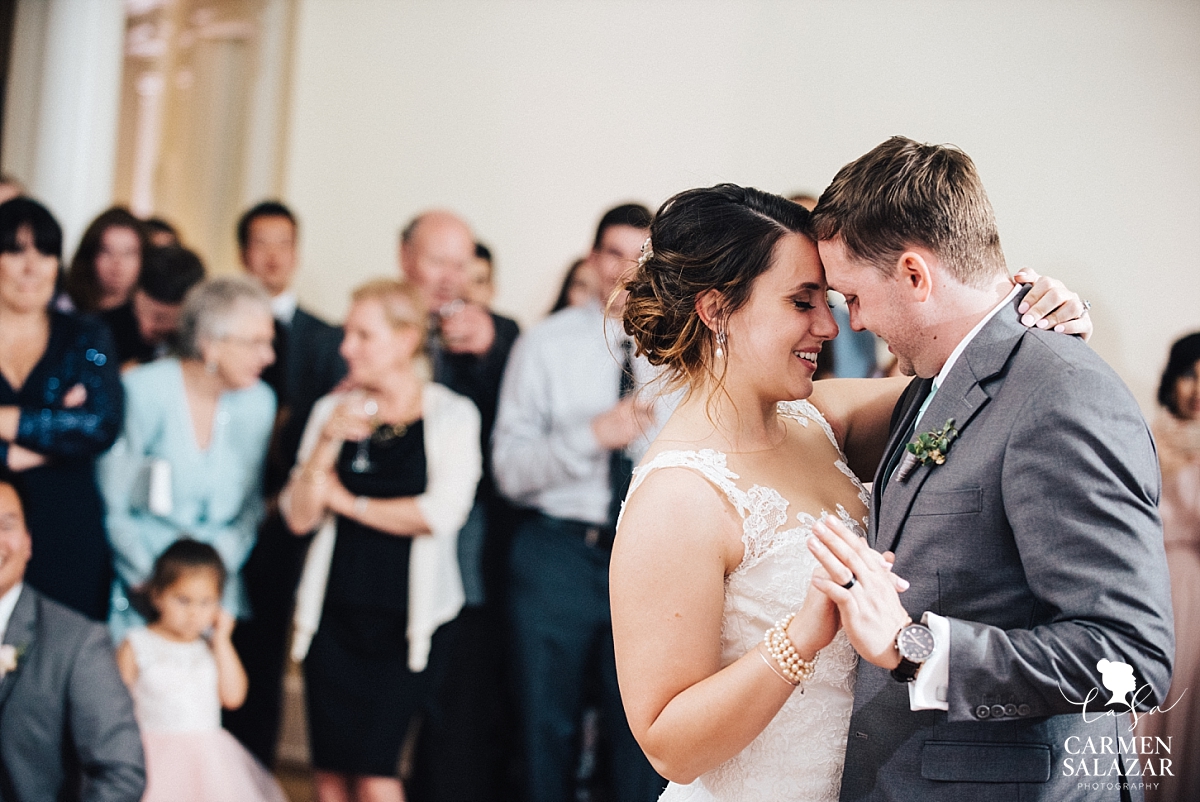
422	502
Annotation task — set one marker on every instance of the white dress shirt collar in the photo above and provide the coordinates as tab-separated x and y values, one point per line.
283	307
940	379
8	603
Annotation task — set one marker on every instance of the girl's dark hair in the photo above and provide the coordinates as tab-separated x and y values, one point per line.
181	557
720	238
18	212
564	292
1185	353
82	284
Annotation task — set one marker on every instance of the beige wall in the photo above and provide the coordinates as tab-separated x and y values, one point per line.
531	118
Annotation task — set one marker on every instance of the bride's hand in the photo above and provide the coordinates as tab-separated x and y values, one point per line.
870	608
816	621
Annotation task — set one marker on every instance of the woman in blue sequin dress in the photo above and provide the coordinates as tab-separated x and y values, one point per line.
60	406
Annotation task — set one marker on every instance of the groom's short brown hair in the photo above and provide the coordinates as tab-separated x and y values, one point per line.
904	193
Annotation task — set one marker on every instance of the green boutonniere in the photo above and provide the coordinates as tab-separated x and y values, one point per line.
929	449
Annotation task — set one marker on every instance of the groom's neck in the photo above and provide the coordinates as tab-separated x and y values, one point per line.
956	310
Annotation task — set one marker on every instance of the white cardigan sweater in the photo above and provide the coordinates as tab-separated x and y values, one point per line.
453	465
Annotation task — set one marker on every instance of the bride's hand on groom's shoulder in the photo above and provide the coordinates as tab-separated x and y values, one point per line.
869	608
1052	304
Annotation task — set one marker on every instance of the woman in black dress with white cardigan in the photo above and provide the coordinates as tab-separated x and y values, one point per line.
387	471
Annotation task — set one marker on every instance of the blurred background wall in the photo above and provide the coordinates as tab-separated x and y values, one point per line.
531	117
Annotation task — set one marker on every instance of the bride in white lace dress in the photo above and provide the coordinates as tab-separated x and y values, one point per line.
712	548
711	552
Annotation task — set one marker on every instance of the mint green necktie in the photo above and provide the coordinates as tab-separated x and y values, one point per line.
898	456
928	400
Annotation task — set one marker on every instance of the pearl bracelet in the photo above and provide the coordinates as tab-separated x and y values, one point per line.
795	669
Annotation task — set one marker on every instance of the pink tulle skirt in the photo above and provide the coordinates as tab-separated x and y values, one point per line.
205	766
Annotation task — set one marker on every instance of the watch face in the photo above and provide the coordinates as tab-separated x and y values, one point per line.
915	643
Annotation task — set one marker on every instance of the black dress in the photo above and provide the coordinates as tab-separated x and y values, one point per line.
63	511
361	694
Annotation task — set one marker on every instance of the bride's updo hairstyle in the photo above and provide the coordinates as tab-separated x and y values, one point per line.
719	238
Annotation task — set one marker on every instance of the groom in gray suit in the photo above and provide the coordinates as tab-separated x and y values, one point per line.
67	730
1026	522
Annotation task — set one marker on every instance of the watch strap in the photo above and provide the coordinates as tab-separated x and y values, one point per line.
906	671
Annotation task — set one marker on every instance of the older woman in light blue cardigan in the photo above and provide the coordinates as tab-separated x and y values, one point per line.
190	458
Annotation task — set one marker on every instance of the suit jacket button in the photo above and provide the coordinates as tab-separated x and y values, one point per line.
997	711
1010	710
1023	710
982	711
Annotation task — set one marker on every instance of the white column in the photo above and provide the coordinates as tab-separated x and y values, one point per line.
265	129
75	145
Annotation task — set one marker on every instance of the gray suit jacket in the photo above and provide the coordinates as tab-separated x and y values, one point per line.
1039	538
67	730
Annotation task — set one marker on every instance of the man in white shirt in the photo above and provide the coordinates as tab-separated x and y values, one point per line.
67	729
1031	539
567	431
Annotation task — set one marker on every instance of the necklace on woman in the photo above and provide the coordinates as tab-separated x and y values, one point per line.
388	431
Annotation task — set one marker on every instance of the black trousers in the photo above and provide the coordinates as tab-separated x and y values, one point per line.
463	743
270	576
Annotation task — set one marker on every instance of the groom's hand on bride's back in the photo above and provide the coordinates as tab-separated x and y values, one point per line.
870	608
1049	304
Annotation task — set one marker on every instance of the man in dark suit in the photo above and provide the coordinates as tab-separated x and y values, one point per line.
307	366
460	752
67	730
1027	525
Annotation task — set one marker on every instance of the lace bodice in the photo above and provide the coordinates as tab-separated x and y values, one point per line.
799	755
176	689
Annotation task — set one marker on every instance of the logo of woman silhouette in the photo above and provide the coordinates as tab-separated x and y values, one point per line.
1118	678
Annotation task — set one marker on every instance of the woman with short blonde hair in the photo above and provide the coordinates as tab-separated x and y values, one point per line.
386	472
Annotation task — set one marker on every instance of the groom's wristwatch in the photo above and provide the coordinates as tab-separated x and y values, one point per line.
915	645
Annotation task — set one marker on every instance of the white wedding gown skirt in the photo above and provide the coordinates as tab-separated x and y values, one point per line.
799	756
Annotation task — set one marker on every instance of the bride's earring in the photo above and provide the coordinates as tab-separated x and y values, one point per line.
720	352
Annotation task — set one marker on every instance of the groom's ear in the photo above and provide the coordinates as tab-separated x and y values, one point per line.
914	270
710	306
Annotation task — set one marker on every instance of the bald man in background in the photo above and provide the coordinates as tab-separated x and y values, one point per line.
460	750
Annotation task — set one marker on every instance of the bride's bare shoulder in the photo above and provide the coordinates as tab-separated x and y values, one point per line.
676	507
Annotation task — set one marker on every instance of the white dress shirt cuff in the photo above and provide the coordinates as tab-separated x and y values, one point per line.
929	690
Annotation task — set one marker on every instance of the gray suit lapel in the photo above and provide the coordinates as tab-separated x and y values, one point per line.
22	627
964	394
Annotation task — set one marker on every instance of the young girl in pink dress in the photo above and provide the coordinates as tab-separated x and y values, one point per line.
180	680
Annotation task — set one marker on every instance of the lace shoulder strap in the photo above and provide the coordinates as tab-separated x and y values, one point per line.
709	463
804	411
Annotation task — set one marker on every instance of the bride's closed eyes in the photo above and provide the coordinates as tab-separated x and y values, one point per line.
804	302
